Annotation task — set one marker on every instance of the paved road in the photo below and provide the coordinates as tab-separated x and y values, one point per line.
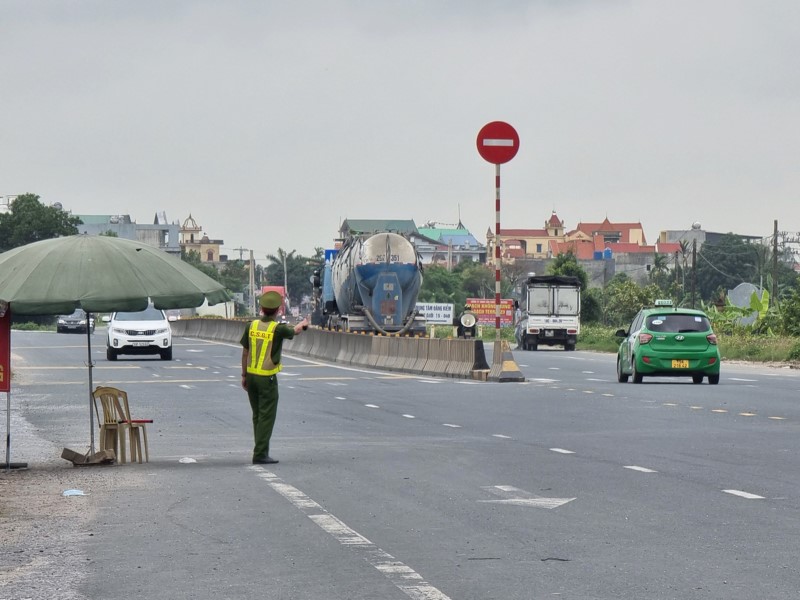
569	485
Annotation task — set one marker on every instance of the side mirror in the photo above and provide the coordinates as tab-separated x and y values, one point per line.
105	319
621	333
172	318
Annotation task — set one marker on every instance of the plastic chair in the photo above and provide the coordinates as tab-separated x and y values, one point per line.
134	426
112	430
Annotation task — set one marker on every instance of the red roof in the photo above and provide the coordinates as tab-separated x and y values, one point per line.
555	221
582	250
523	233
668	247
623	228
620	248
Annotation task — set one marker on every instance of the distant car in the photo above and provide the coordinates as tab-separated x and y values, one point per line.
667	341
142	332
74	322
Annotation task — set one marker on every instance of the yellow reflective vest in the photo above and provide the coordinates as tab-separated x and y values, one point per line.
261	335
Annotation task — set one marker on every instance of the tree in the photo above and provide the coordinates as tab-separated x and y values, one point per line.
567	264
442	286
235	275
725	264
193	258
28	220
293	272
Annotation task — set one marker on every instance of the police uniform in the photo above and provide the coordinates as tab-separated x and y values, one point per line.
262	340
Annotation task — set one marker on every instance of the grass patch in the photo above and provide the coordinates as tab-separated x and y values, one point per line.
736	346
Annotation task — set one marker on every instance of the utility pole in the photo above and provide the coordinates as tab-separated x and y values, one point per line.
252	284
773	296
694	269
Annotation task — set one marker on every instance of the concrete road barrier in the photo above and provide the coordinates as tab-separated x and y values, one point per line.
422	356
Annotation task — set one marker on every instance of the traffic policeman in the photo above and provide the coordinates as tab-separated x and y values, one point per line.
261	362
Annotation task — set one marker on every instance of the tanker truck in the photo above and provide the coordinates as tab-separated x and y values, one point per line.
370	286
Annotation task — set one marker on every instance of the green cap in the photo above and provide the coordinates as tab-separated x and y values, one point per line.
271	300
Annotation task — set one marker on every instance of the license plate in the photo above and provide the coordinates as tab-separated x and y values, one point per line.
148	343
680	364
548	333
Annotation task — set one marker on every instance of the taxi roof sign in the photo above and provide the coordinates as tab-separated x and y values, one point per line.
663	302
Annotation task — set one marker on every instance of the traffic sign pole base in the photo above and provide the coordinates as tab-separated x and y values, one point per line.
504	367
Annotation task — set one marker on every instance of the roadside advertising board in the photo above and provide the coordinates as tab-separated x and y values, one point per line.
484	310
436	314
5	352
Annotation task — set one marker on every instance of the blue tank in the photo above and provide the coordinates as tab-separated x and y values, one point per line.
375	284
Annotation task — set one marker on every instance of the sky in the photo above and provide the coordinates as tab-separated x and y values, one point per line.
271	122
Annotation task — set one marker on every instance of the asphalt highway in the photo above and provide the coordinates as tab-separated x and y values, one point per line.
569	485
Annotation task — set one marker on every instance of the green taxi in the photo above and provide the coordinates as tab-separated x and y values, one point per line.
666	341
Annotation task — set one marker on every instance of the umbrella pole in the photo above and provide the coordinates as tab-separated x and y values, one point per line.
91	365
8	430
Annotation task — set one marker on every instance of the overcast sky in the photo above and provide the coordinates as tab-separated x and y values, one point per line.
271	122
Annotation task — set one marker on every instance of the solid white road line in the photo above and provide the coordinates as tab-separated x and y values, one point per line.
561	451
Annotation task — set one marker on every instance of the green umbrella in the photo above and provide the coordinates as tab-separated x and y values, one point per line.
98	274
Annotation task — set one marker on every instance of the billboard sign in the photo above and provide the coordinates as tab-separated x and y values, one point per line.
484	310
436	314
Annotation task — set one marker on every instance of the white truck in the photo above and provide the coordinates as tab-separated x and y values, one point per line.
552	312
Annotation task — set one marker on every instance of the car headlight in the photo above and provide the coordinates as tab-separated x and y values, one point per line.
61	321
118	330
161	331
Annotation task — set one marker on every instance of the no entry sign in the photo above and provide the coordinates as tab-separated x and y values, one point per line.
498	142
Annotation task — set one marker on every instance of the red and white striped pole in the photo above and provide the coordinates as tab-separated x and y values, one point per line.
497	143
497	255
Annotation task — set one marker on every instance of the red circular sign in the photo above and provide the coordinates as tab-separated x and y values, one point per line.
498	142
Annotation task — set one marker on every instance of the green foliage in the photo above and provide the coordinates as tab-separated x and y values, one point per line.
293	271
567	264
724	264
193	258
109	233
235	275
599	338
622	299
443	286
28	220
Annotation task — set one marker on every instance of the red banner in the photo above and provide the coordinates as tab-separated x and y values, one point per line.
484	310
5	352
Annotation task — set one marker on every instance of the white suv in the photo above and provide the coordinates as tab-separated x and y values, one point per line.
143	332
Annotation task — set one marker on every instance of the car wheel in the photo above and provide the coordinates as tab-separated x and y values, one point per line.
637	377
621	377
713	379
569	347
697	379
533	346
111	354
166	354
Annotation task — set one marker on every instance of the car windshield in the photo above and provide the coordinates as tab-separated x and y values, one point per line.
149	314
677	323
78	314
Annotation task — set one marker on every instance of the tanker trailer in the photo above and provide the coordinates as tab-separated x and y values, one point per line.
374	283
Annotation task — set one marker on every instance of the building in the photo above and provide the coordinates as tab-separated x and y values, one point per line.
447	246
442	246
161	234
366	227
193	239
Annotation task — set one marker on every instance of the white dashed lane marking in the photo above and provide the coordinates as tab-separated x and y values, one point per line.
402	576
561	451
746	495
640	469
